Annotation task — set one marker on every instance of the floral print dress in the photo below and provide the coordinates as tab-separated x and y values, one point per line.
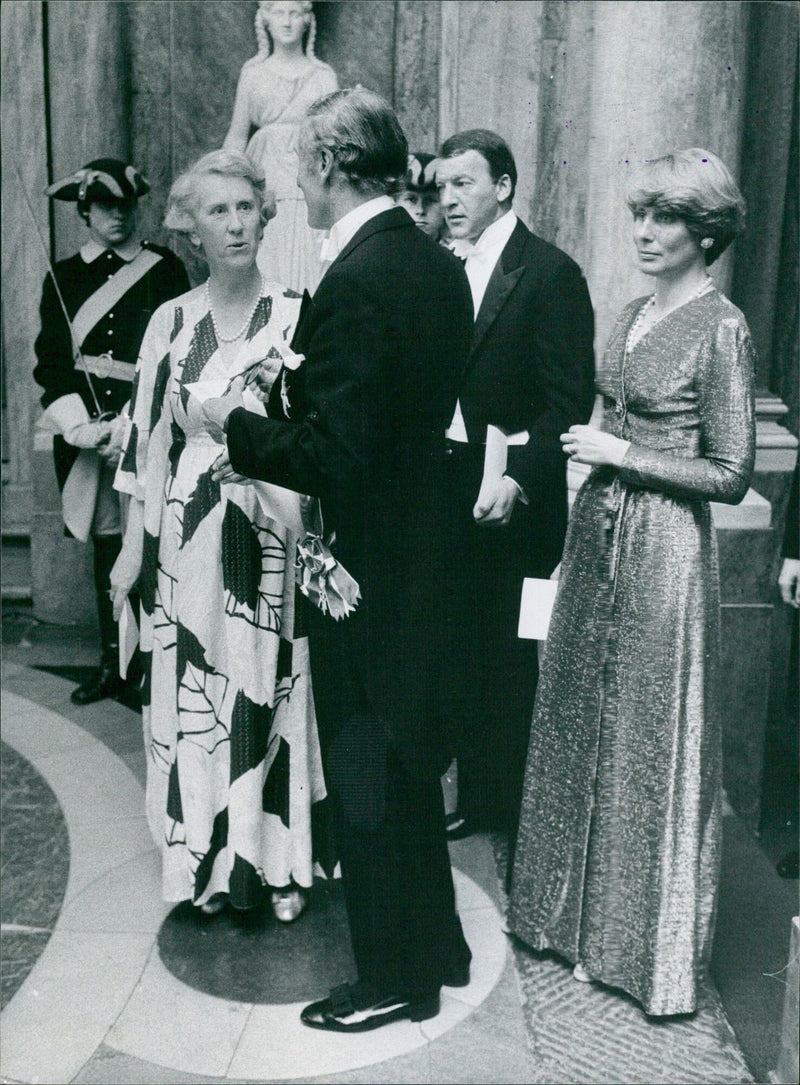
233	761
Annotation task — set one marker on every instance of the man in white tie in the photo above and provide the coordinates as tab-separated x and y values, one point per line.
361	425
529	377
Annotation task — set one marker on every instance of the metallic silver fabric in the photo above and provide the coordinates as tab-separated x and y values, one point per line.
619	840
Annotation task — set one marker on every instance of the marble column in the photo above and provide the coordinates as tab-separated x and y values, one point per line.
25	216
87	73
490	77
416	72
560	156
663	76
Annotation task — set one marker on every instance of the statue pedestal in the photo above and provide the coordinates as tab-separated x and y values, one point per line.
745	541
786	1070
61	568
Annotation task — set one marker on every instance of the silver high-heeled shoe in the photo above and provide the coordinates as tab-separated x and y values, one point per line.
214	905
288	904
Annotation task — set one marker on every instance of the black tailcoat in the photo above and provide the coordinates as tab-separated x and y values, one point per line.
530	368
361	425
385	338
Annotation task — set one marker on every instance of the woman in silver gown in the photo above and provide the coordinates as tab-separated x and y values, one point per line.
618	852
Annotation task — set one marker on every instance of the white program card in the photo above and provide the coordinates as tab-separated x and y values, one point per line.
536	607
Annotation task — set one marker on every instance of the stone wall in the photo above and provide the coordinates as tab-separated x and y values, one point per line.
25	220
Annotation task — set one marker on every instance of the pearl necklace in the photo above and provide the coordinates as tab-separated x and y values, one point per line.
633	337
232	338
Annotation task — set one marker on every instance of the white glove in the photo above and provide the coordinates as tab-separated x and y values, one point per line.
789	581
88	434
112	449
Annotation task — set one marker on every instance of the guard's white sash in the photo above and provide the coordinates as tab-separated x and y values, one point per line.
79	495
103	300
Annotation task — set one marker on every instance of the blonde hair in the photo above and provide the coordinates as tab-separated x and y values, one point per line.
181	200
697	187
263	36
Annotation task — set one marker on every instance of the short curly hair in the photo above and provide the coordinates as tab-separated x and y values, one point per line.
697	186
223	163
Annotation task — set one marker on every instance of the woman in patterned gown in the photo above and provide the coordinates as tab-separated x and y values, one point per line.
233	757
275	89
617	860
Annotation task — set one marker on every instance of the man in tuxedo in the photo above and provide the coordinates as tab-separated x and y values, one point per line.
360	423
530	376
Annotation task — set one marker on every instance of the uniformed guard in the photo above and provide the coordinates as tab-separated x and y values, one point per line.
94	311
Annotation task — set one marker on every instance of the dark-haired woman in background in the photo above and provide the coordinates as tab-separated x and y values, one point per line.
617	861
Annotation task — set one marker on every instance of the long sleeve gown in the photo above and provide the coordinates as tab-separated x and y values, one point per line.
619	840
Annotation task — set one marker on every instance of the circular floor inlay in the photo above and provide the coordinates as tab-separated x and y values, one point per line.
104	955
258	959
35	867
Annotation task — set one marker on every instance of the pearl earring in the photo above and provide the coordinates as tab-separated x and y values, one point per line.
707	242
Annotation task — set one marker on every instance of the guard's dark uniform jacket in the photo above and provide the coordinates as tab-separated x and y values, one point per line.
114	339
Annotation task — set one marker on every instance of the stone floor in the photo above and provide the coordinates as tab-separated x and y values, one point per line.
102	982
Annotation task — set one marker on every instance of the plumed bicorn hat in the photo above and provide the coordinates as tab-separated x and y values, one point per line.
421	173
100	179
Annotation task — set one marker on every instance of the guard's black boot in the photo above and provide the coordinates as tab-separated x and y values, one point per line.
105	681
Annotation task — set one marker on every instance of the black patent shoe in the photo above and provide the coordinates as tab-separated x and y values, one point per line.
337	1013
104	682
457	975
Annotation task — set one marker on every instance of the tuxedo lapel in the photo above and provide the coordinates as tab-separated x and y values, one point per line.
506	274
498	288
306	306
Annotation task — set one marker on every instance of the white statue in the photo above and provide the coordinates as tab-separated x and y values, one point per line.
275	88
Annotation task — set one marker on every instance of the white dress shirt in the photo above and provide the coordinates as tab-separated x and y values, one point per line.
348	225
480	263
